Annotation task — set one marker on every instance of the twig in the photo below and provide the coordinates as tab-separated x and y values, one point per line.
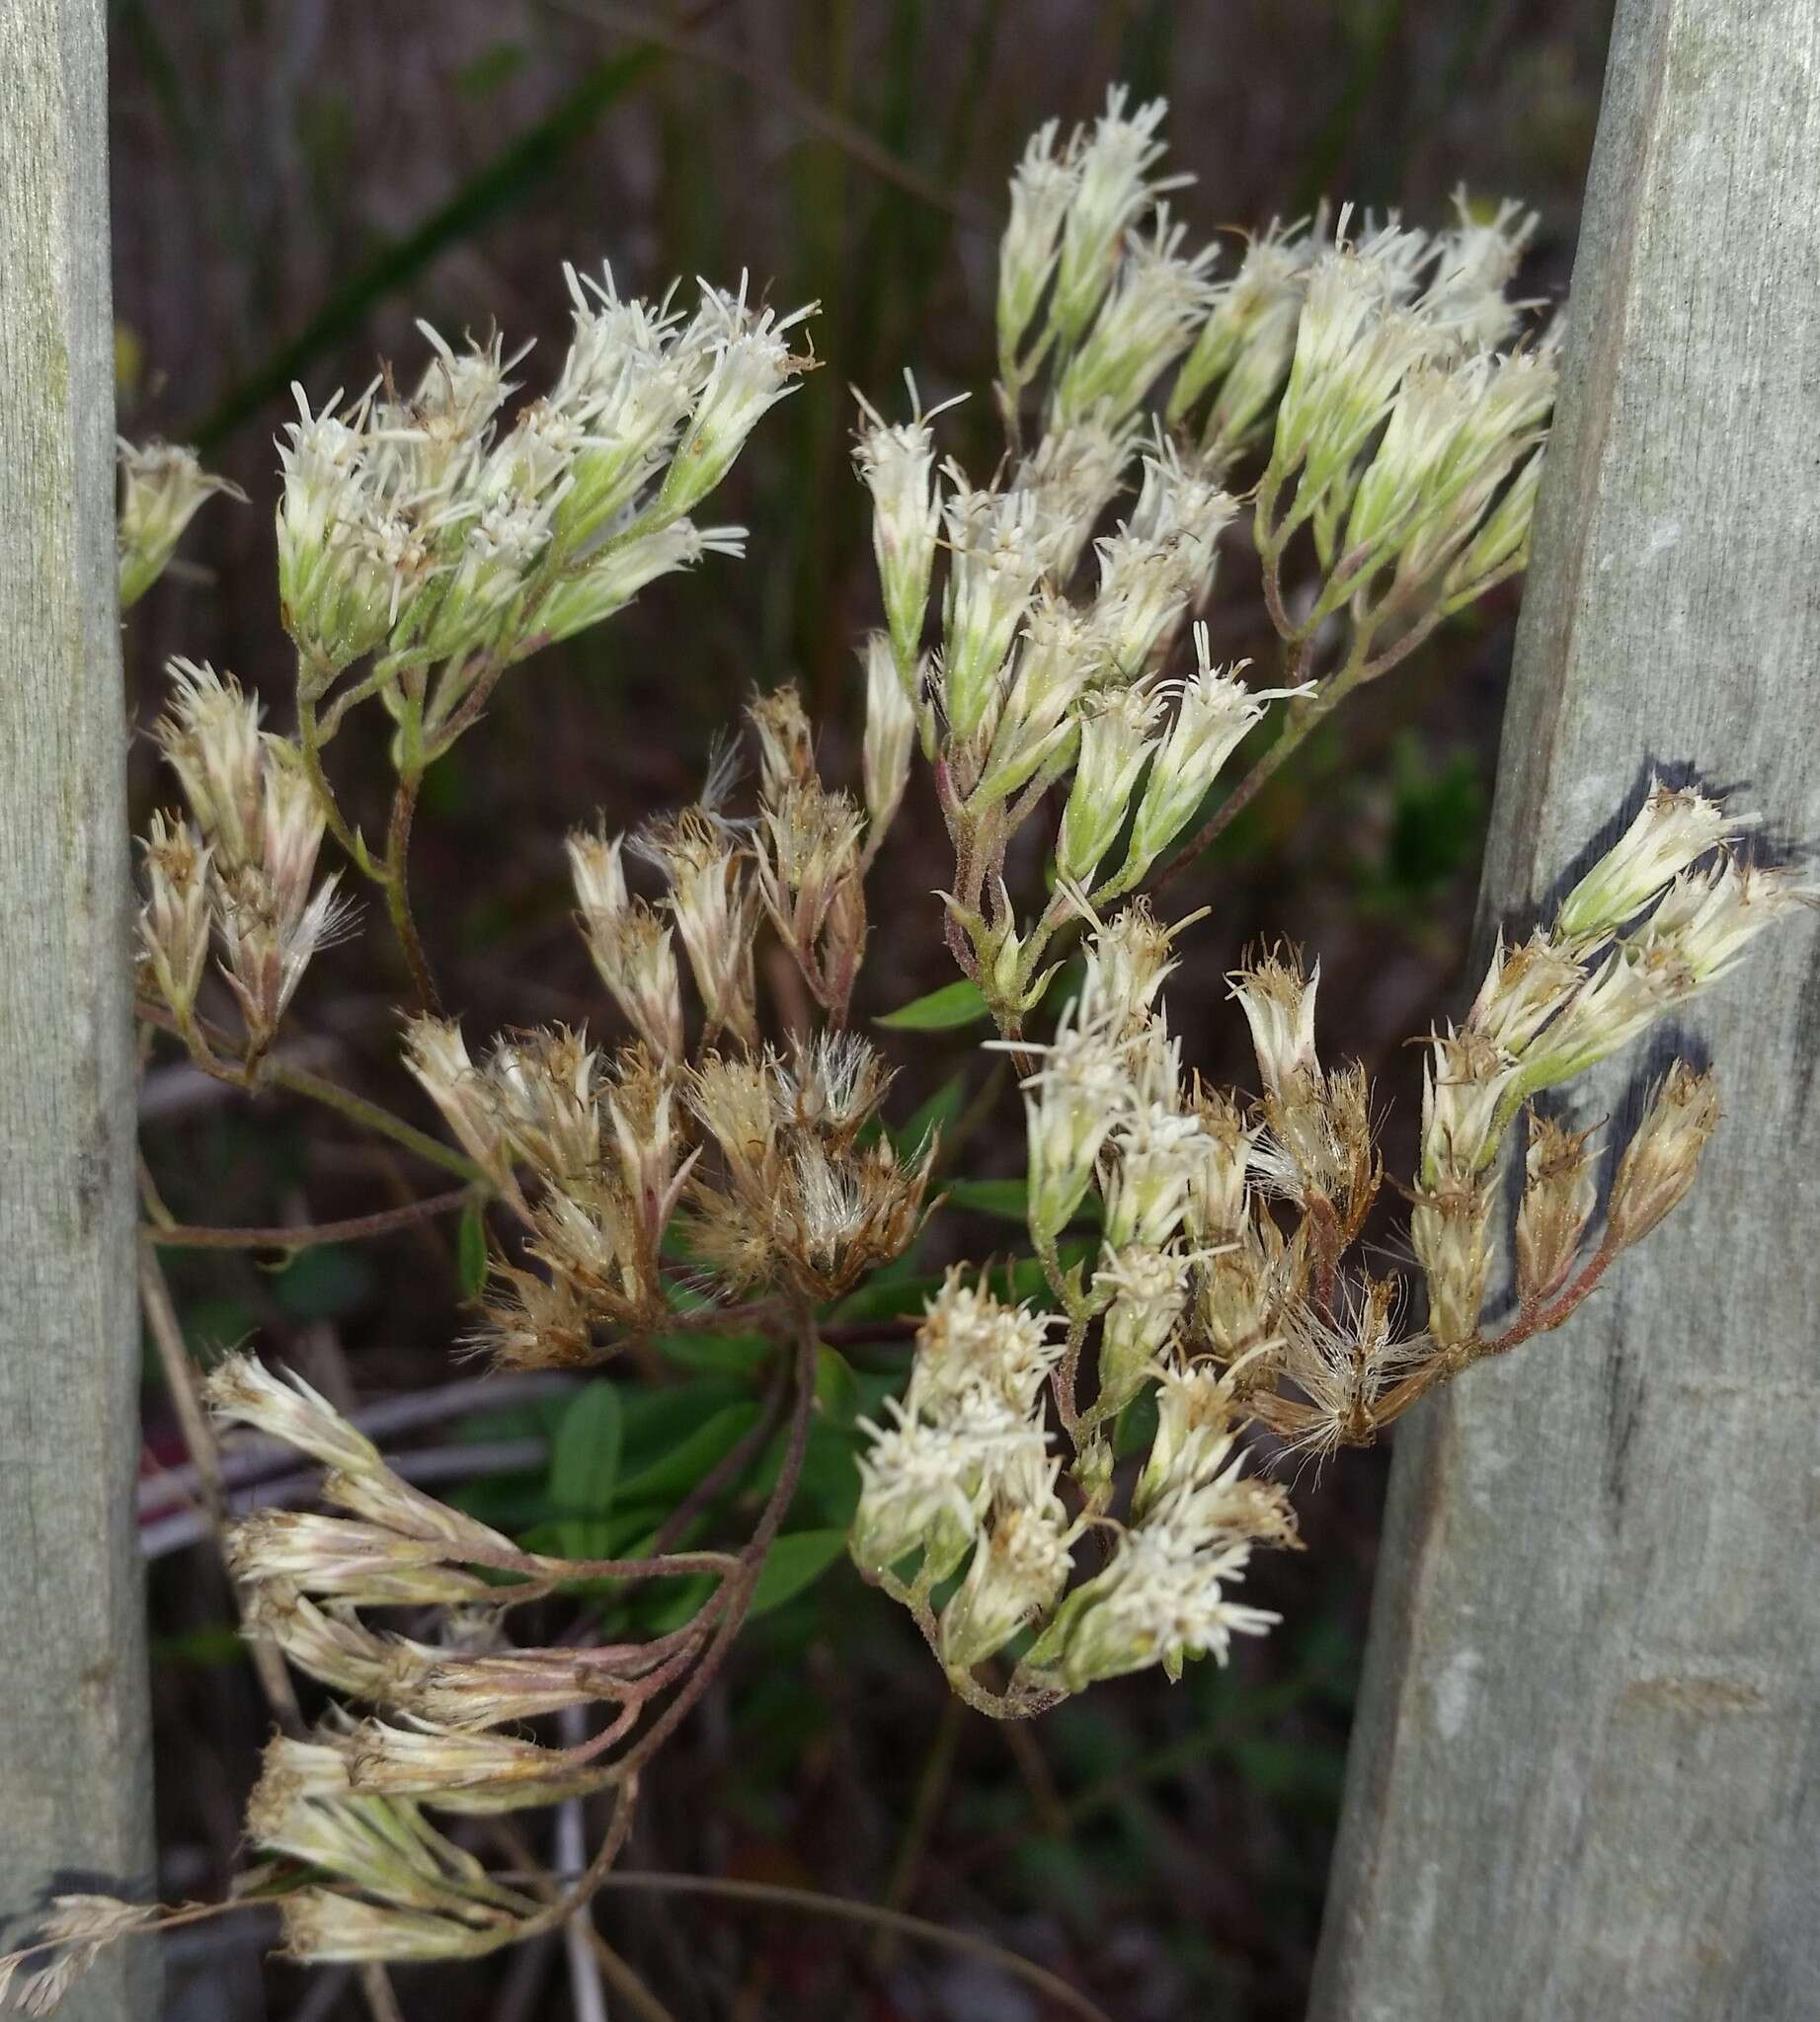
931	1789
176	1236
806	111
627	1984
166	1534
199	1437
286	1073
814	1902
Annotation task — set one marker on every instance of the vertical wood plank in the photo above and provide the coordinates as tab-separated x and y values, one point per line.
74	1769
1585	1779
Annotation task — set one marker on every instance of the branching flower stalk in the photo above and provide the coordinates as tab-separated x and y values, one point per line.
1069	1487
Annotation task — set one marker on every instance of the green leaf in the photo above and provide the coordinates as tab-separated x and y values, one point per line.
954	1004
939	1113
720	1354
323	1282
585	1469
793	1561
668	1479
497	189
1009	1199
471	1250
836	1386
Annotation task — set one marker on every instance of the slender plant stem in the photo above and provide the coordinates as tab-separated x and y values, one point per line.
282	1073
398	892
176	1236
371	1115
814	1902
162	1323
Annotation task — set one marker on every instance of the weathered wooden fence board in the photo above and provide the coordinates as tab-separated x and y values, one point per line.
1585	1775
74	1768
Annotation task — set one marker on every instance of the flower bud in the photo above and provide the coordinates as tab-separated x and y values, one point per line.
1041	188
1146	322
752	370
897	465
1110	193
1071	1105
162	489
1672	830
1116	745
891	736
995	557
610	582
1149	1289
1018	1568
1214	713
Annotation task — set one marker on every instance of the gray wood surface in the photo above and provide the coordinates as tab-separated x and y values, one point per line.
1585	1779
74	1768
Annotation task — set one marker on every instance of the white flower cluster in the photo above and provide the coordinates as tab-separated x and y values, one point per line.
1403	425
423	527
965	1463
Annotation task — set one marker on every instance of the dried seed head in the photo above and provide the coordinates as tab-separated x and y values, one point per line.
174	922
1558	1195
366	1563
211	738
1278	1001
1660	1162
1450	1230
786	744
628	942
438	1056
716	913
243	1391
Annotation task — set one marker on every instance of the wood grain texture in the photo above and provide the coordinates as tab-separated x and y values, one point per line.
1585	1780
74	1768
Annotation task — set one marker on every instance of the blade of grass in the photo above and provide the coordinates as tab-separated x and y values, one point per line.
501	186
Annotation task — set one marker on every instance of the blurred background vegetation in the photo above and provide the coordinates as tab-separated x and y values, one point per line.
296	180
